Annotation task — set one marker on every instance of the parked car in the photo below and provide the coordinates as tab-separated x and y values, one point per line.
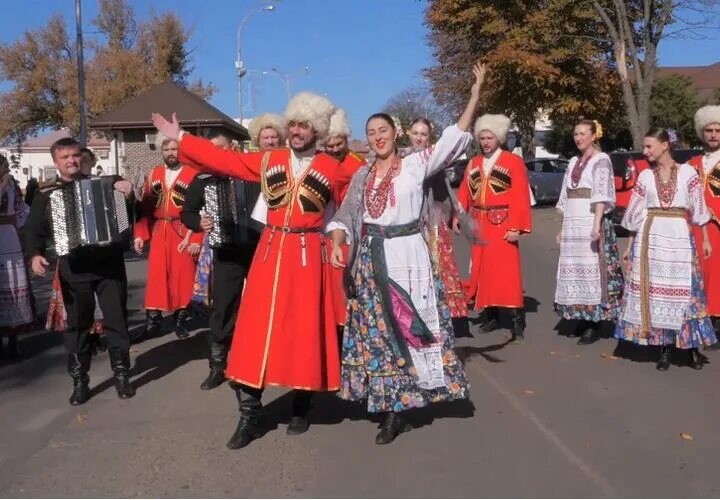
546	177
627	166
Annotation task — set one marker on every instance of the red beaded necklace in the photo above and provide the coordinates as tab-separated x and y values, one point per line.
579	167
666	190
376	198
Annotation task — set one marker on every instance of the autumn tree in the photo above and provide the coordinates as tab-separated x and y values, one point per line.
536	64
123	58
635	28
412	103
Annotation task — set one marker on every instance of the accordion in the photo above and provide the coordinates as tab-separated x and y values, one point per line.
229	203
88	212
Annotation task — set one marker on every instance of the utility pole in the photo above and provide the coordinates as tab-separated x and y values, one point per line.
81	74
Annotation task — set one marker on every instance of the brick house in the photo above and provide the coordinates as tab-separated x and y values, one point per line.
131	126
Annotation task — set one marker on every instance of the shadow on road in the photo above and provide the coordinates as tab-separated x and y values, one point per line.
650	354
163	360
467	352
328	409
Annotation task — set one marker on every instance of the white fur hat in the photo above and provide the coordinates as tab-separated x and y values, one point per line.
266	120
313	109
497	124
339	125
704	117
160	139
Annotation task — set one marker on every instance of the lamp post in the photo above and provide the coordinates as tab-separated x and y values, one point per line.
287	78
81	74
239	64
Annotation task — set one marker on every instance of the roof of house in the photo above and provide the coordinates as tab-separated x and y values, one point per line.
706	79
167	98
43	142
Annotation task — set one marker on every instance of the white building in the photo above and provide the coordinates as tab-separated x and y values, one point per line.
32	158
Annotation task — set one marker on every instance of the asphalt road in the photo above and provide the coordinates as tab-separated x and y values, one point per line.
547	418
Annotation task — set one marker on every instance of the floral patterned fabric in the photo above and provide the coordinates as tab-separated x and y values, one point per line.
443	254
201	287
370	364
696	329
609	310
56	320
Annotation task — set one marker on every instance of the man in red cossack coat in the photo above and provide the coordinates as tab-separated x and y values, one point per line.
337	145
495	191
285	332
174	247
707	126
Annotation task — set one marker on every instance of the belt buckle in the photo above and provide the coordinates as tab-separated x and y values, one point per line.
286	229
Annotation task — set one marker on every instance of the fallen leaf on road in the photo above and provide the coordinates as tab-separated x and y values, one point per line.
608	356
552	353
578	356
686	436
528	392
81	418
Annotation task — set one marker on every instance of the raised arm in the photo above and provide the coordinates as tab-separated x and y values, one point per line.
205	156
455	138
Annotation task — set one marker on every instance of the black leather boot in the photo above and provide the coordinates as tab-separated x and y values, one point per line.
181	316
391	428
663	363
248	428
218	362
696	360
490	320
78	368
301	407
589	333
153	322
518	325
120	364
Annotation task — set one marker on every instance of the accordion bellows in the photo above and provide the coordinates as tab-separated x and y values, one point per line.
229	203
88	212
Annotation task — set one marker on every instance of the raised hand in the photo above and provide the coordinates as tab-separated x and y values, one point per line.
479	70
171	130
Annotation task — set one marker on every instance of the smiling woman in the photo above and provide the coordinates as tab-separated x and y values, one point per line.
397	348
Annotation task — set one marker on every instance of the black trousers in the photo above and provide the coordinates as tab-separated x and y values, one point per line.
79	301
230	267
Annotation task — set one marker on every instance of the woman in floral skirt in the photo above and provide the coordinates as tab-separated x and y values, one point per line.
665	301
397	348
589	277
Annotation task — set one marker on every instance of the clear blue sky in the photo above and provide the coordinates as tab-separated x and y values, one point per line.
360	52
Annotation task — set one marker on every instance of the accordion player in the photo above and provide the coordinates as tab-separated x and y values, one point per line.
89	212
229	203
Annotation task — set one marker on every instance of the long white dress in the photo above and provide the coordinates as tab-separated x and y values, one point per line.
407	257
371	368
664	300
583	276
16	311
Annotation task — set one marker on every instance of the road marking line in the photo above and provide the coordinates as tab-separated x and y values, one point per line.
575	460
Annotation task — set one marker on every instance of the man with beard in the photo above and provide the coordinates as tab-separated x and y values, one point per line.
285	332
171	262
84	273
707	126
230	264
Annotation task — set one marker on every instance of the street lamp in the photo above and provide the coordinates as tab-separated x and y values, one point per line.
239	64
287	78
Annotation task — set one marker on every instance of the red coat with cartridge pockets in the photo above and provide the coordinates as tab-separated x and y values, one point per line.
499	202
285	332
